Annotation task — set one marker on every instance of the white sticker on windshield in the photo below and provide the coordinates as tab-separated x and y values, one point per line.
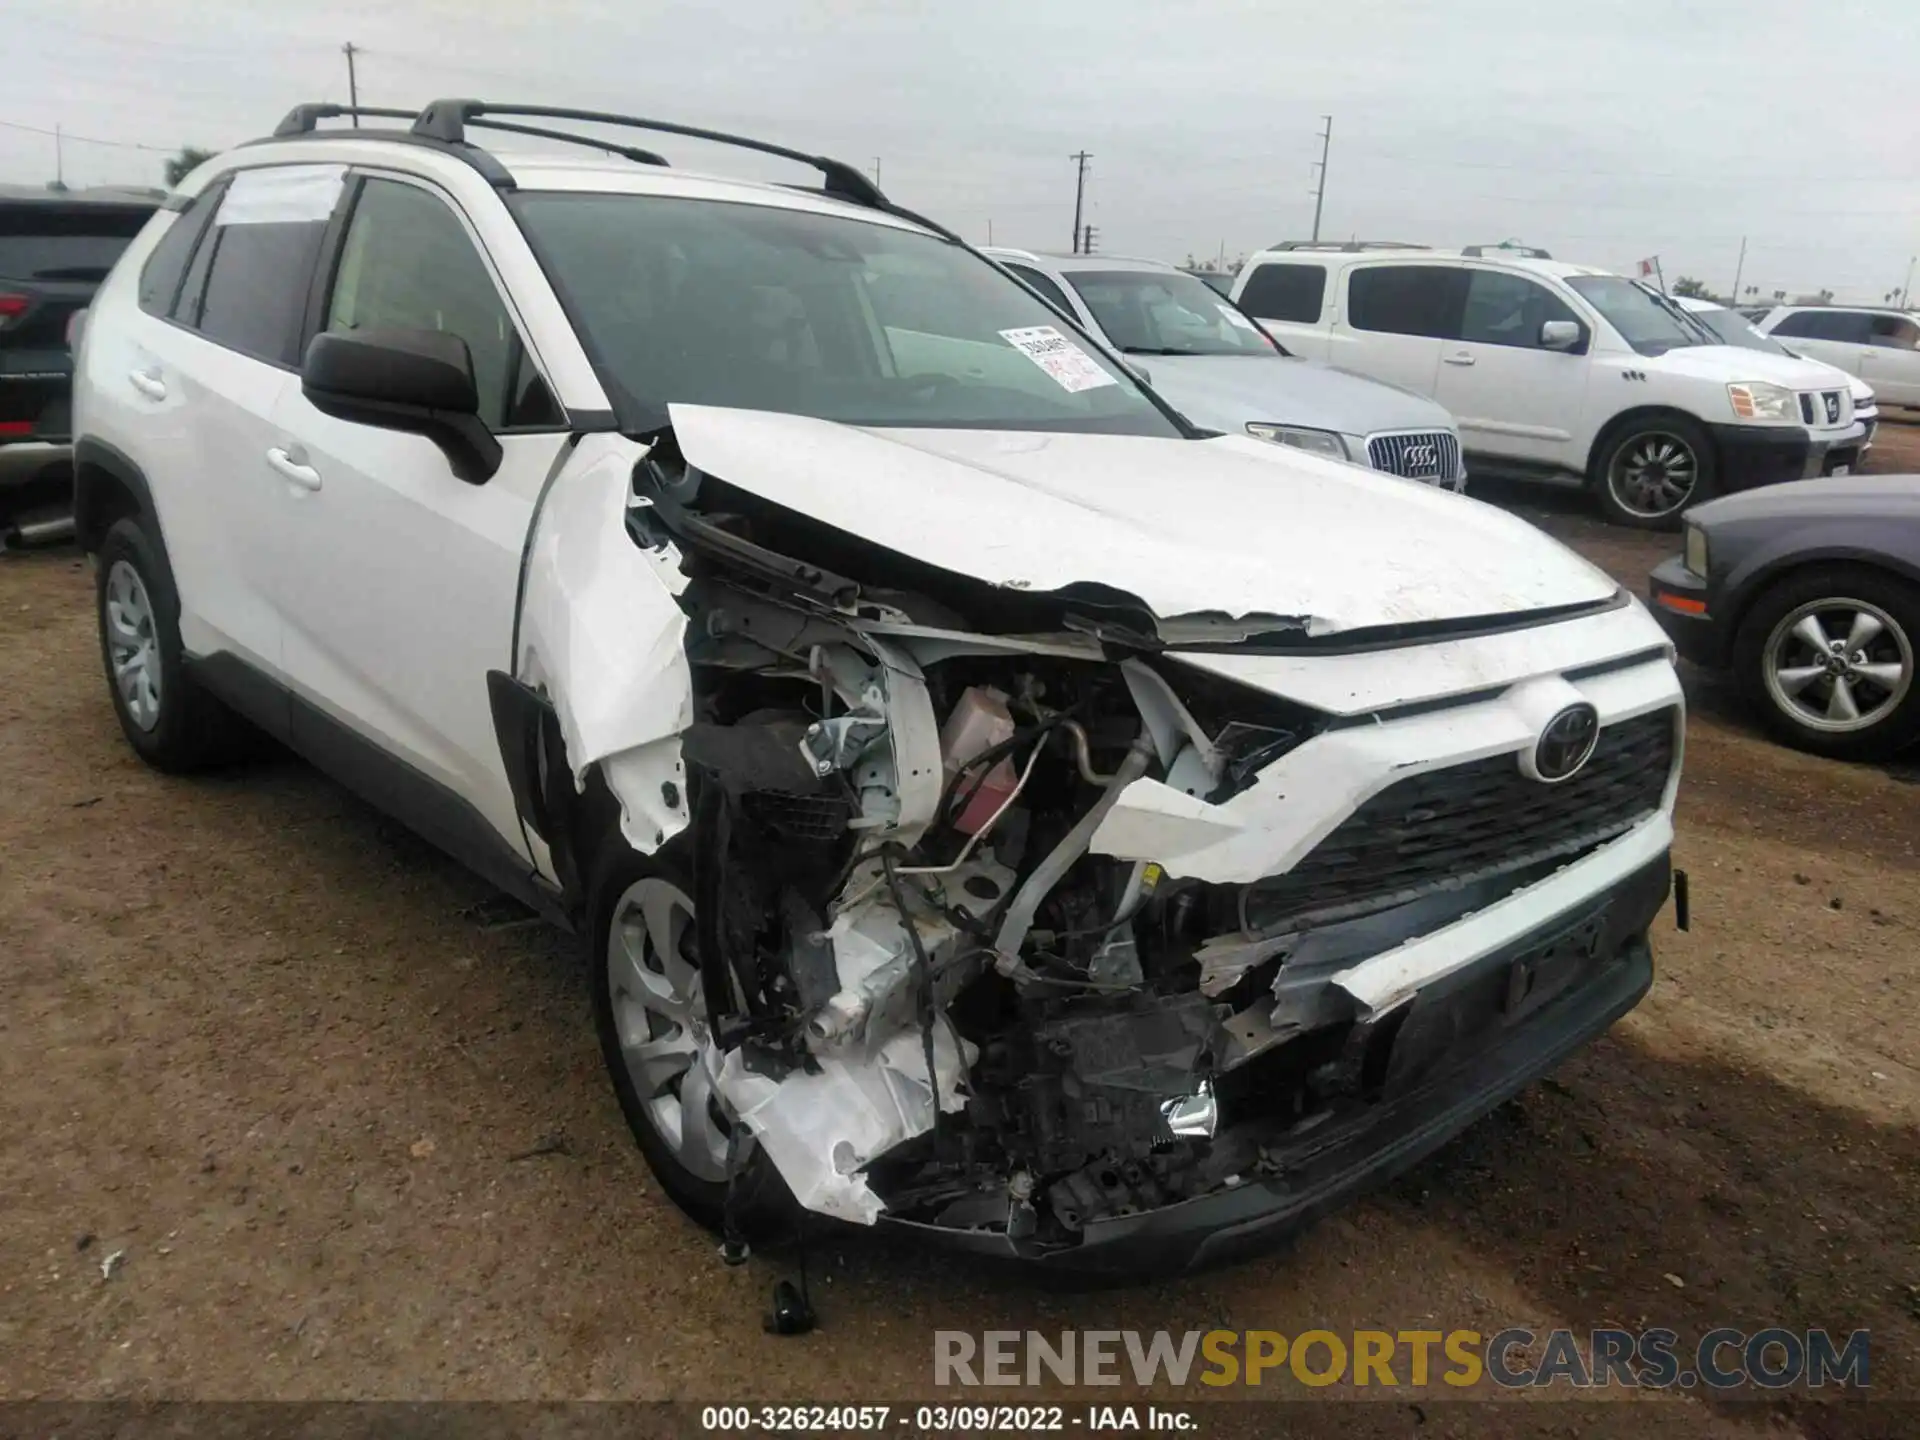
282	195
1234	317
1071	367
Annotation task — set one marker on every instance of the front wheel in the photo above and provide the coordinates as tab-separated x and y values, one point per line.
1827	658
650	1011
1651	470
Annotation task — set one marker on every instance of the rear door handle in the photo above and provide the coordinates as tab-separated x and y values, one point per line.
1459	357
148	384
305	476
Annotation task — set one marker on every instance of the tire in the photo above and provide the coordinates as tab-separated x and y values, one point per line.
1794	685
170	722
693	1173
1646	473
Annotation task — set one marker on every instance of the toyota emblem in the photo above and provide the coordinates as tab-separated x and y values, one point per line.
1566	743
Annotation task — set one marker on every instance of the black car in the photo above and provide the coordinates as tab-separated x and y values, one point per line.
55	249
1810	594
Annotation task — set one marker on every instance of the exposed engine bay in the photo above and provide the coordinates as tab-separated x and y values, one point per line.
957	984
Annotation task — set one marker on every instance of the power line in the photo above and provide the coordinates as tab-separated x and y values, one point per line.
61	134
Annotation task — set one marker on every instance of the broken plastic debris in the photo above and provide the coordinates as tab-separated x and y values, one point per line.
111	1263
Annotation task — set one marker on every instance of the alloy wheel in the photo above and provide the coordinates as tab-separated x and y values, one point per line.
1654	475
660	1017
1838	665
132	645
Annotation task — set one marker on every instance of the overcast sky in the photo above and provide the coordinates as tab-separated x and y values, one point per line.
1605	130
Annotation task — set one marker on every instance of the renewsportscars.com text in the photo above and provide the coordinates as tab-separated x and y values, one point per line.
1720	1359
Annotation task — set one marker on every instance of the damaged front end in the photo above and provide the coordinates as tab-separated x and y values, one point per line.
958	975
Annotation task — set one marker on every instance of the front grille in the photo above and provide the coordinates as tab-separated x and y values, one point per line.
1430	455
1825	408
1469	821
1806	408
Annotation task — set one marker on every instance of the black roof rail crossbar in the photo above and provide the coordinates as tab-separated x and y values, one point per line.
302	119
1524	252
446	120
612	147
1350	247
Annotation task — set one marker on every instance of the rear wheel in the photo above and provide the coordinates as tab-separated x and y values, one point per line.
1651	470
1827	657
650	1009
168	719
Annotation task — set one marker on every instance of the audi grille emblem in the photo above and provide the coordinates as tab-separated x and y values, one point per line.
1566	743
1833	409
1423	457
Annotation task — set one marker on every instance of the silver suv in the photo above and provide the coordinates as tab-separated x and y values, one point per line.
1220	369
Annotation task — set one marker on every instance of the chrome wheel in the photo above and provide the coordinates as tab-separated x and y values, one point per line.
1838	665
659	1016
1653	475
131	644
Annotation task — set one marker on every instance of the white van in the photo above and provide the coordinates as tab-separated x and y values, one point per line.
1554	369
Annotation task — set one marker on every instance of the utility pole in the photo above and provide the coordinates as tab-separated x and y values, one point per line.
59	162
1906	290
876	172
1079	158
353	79
1320	189
1738	269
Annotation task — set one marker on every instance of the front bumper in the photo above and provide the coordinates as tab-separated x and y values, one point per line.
1678	599
1754	455
1500	1046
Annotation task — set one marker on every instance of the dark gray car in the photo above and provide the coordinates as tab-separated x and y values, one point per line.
1810	594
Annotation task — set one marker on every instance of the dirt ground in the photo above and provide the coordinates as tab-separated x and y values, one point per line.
349	1134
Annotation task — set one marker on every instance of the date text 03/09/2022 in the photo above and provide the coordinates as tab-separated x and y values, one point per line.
947	1419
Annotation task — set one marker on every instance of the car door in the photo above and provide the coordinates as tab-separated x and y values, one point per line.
1515	399
210	376
1394	321
1890	361
399	579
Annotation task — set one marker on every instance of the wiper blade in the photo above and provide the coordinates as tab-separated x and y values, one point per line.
1150	350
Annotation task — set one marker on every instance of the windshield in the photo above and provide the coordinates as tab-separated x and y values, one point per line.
1649	325
1732	328
757	307
1159	312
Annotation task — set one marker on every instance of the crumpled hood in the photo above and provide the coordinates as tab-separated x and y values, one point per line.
1225	392
1227	526
1734	363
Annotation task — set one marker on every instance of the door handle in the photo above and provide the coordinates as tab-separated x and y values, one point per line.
305	476
148	384
1459	357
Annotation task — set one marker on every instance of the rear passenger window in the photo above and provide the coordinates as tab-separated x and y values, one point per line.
260	258
1406	299
1894	332
409	264
1847	326
1285	292
166	267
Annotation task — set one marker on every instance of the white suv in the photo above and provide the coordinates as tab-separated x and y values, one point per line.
1882	347
1554	369
991	809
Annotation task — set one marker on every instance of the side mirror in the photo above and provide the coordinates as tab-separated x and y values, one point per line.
420	381
1560	335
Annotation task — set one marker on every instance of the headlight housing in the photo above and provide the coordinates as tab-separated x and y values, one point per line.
1695	557
1758	400
1320	442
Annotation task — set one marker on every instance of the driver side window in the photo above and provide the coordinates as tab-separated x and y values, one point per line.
1505	309
408	263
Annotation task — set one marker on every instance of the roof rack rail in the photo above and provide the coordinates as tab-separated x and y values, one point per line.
1348	246
1506	247
446	121
304	119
